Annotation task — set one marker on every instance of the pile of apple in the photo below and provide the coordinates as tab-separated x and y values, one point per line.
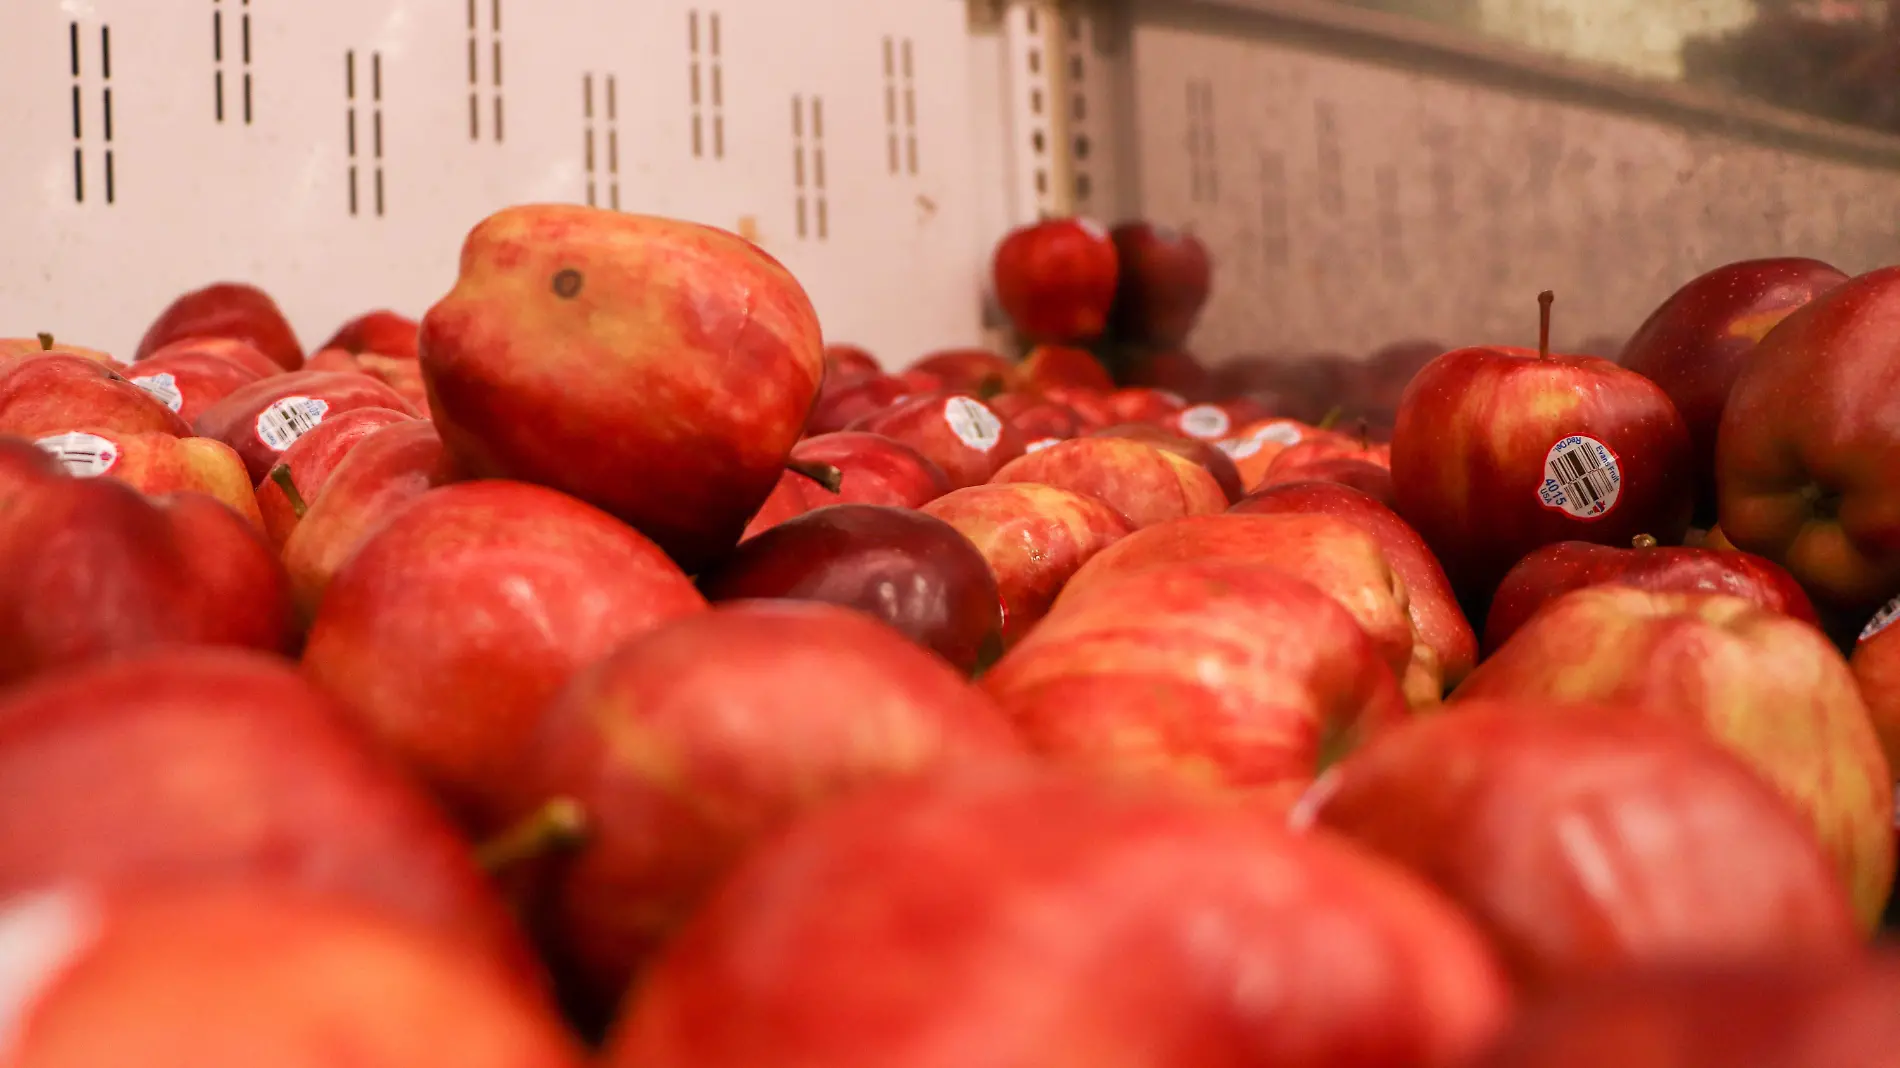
605	670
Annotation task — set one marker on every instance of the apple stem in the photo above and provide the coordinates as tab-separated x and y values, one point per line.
824	474
281	475
990	387
46	341
1544	301
1643	541
556	827
1365	435
1331	418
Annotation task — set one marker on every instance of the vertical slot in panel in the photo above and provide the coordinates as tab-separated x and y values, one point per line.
1275	238
890	103
1203	152
79	132
718	89
613	146
474	73
694	97
1328	159
1385	181
910	106
244	21
587	137
494	47
798	166
818	167
105	104
376	105
1081	142
349	109
217	59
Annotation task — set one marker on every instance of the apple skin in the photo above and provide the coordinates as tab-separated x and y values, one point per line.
1431	602
687	746
227	309
1375	385
1876	664
251	973
496	592
1808	444
91	761
1038	420
1139	404
1056	280
963	369
1061	365
13	349
1034	538
1368	478
850	400
399	373
1469	458
1174	370
234	420
1164	282
1206	454
1145	483
1255	446
1555	570
193	378
1030	898
92	569
383	332
1091	407
954	430
1769	688
158	464
229	349
1585	839
910	570
876	469
1695	344
55	392
312	459
659	370
848	363
1226	675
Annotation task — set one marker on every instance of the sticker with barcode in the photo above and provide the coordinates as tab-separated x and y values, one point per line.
1582	478
1205	421
973	423
83	455
1281	431
1882	619
164	387
289	419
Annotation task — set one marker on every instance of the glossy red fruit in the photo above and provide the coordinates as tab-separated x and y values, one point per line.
1165	279
56	392
956	431
1056	279
231	310
854	399
1207	454
265	418
385	333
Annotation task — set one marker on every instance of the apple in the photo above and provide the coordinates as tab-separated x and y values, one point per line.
230	310
1806	443
788	500
229	349
1034	538
1499	451
250	974
187	379
873	469
1219	674
1040	422
1770	688
383	332
1696	343
1585	839
1431	602
1303	385
1145	483
1314	449
1876	665
847	363
263	419
1139	404
1555	570
1090	406
1053	921
1255	446
157	464
657	369
199	765
1164	281
19	348
92	569
913	571
853	399
400	373
1209	456
1056	279
1374	386
284	495
957	432
1174	370
1368	478
55	392
494	593
978	370
689	745
1061	365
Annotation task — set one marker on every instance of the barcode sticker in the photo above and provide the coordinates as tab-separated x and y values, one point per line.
1882	619
289	419
1040	444
83	455
1281	431
164	387
1582	478
973	423
1205	421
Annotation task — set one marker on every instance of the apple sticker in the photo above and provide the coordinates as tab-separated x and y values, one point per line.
83	455
1206	422
281	424
973	423
1582	478
164	387
1882	619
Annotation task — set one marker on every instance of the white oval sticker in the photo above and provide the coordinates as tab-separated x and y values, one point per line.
973	423
1283	432
1205	421
1172	397
84	455
164	387
42	934
1092	228
1582	478
1882	620
281	424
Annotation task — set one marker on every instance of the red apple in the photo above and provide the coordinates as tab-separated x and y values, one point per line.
1143	482
250	974
1255	446
1876	664
1142	405
13	349
1056	279
197	765
1173	370
1313	449
1770	688
92	569
158	464
494	593
1432	604
854	399
1056	921
911	570
1499	451
955	431
229	349
1808	444
1555	570
1589	838
402	374
263	419
1040	421
788	500
1368	478
55	392
846	363
875	470
1164	282
1034	538
1208	455
657	369
187	379
1304	385
384	332
231	310
1092	407
964	369
1375	385
1695	345
689	745
1223	674
1061	365
306	466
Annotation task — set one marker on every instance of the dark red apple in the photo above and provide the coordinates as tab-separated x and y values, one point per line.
1368	478
854	399
1056	279
1139	404
978	370
955	431
1040	421
1164	281
910	570
265	418
1208	455
385	333
1174	370
848	363
1061	365
873	468
1090	406
231	310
